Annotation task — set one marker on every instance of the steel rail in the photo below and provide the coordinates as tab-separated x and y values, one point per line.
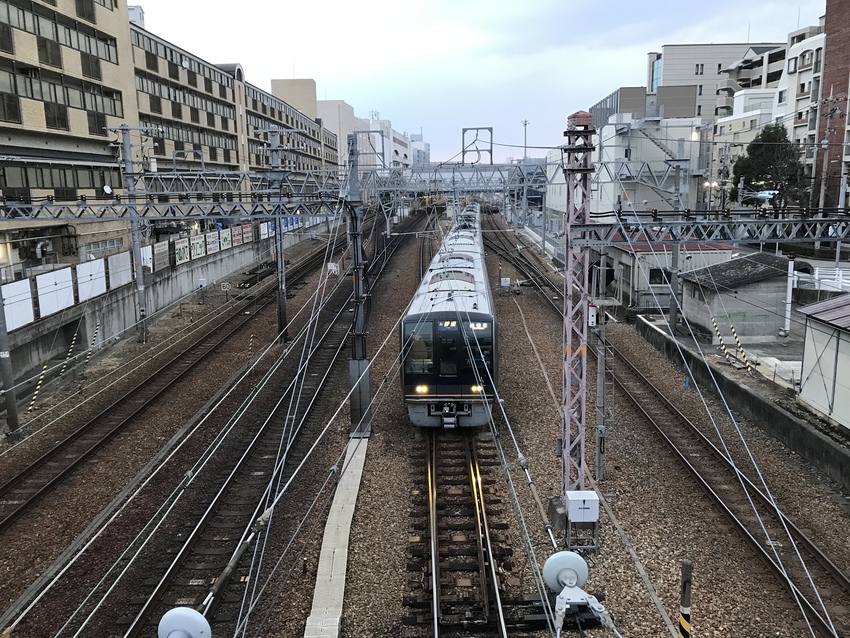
782	575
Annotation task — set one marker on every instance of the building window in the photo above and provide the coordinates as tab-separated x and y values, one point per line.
177	110
194	115
7	42
155	103
49	52
208	87
90	65
818	58
213	154
782	97
792	65
699	109
85	10
224	125
97	123
752	125
10	108
192	78
700	68
656	276
222	92
56	115
173	71
719	68
151	61
699	89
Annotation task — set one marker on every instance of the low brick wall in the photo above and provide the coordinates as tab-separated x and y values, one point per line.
826	455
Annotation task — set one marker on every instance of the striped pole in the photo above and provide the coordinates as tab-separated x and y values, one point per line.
93	341
37	388
741	350
685	600
720	339
70	350
251	347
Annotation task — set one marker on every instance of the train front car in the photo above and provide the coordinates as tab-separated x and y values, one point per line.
449	335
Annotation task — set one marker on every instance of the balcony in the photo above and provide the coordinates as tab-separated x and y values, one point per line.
801	121
728	84
804	94
725	102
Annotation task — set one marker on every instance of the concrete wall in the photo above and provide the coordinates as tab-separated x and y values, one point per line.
49	339
757	311
822	452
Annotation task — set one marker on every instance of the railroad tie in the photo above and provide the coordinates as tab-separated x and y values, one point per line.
37	388
70	350
741	350
722	343
93	341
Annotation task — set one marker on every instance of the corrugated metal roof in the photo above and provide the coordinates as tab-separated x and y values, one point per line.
835	311
737	272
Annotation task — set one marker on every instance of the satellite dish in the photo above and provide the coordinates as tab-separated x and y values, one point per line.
185	63
107	189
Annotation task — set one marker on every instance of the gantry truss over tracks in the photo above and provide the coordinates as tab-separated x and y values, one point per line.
737	228
281	193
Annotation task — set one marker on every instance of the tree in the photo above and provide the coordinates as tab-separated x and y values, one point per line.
772	163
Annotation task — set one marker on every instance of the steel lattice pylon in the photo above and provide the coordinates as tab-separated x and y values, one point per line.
577	173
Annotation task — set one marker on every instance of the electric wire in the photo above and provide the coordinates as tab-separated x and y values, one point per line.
739	474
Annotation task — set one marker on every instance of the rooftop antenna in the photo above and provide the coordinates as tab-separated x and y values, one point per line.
748	32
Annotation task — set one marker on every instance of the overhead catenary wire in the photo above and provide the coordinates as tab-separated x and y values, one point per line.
745	446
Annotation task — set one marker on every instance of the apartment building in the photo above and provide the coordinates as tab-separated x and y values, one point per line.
761	67
71	70
798	93
700	65
834	125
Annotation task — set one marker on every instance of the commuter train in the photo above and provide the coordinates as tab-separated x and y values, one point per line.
449	335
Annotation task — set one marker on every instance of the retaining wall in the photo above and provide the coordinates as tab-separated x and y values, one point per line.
826	455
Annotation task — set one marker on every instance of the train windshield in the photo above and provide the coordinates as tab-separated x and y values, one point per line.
479	347
419	347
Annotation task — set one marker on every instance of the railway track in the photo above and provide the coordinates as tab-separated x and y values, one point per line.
206	571
796	564
22	491
461	559
810	576
533	274
210	570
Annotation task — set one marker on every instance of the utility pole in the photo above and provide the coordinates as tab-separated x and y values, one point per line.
358	368
724	174
280	258
6	372
135	229
524	176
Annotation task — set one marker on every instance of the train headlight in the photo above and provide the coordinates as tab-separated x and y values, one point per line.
476	389
422	389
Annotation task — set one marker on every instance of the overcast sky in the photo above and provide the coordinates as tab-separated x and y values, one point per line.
443	65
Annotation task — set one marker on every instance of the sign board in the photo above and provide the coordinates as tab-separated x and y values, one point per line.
91	279
212	242
17	304
160	256
225	286
247	233
264	230
120	270
236	235
55	291
505	282
182	254
197	246
225	239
